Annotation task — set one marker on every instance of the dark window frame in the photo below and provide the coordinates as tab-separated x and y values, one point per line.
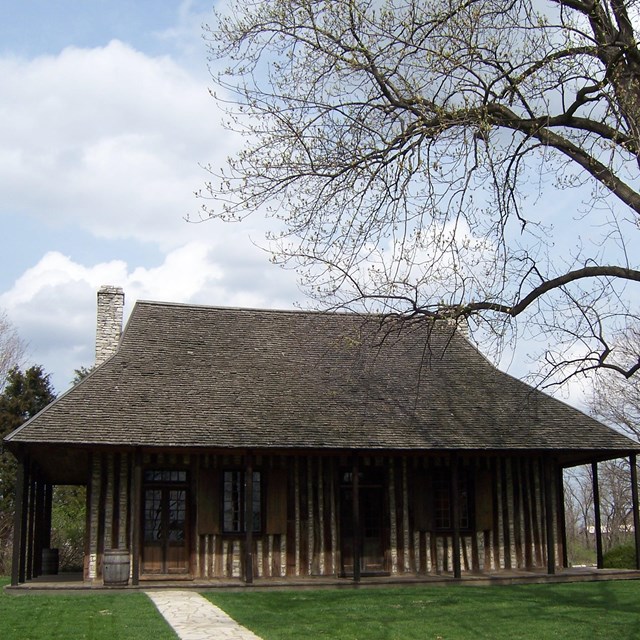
443	504
232	503
156	511
165	476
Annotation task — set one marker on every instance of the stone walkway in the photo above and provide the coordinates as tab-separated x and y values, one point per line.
193	617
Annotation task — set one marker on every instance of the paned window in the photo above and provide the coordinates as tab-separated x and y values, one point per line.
165	505
165	476
233	508
443	507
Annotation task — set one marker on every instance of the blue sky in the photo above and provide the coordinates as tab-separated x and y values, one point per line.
105	121
31	28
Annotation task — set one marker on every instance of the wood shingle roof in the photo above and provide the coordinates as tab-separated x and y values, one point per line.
193	376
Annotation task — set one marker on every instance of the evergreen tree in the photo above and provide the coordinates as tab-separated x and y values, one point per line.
25	394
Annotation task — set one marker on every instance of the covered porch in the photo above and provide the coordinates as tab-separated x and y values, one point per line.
75	582
314	519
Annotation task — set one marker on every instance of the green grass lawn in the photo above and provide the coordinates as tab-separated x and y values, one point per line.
73	616
571	611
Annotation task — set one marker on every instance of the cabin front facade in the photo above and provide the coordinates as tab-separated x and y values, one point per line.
224	444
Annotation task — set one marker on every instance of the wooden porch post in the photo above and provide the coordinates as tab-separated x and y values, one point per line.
634	503
31	520
549	517
48	507
248	518
357	533
455	515
39	522
17	561
25	520
596	513
562	518
136	506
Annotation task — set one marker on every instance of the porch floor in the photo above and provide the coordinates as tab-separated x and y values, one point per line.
74	581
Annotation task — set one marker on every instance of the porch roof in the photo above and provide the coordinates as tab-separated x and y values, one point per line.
195	376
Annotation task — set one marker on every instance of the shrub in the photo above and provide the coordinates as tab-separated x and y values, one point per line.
621	557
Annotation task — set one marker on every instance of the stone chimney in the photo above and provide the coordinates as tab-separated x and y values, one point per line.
461	323
109	325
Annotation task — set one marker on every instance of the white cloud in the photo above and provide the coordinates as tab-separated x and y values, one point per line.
53	303
108	139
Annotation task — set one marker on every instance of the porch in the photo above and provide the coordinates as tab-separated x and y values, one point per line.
216	519
75	581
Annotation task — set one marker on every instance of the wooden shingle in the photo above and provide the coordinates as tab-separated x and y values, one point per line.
194	376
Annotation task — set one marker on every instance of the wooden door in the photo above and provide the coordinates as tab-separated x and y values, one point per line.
371	539
165	548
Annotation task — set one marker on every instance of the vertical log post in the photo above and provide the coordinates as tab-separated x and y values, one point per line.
25	520
39	520
455	515
357	533
48	508
549	517
248	519
136	529
634	502
596	513
31	521
17	561
562	518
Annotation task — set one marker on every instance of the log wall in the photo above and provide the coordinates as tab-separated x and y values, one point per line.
303	537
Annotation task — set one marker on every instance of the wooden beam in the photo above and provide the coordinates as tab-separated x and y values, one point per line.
136	506
504	499
192	512
18	519
39	520
455	514
596	513
634	502
114	534
25	520
562	518
357	533
31	521
48	508
103	486
549	517
248	518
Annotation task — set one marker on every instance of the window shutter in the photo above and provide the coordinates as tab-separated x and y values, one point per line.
422	501
208	502
484	500
276	502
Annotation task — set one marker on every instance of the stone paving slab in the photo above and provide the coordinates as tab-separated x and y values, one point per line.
193	617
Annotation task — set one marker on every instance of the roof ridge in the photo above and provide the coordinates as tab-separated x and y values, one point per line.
194	305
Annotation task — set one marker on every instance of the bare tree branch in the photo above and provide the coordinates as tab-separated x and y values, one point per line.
407	151
12	348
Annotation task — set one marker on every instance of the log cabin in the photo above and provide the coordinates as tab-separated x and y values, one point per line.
242	444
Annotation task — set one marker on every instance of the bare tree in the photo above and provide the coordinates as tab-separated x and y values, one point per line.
12	348
614	399
615	502
578	499
616	512
407	151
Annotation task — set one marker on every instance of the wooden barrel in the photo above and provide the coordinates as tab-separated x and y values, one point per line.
50	562
115	567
